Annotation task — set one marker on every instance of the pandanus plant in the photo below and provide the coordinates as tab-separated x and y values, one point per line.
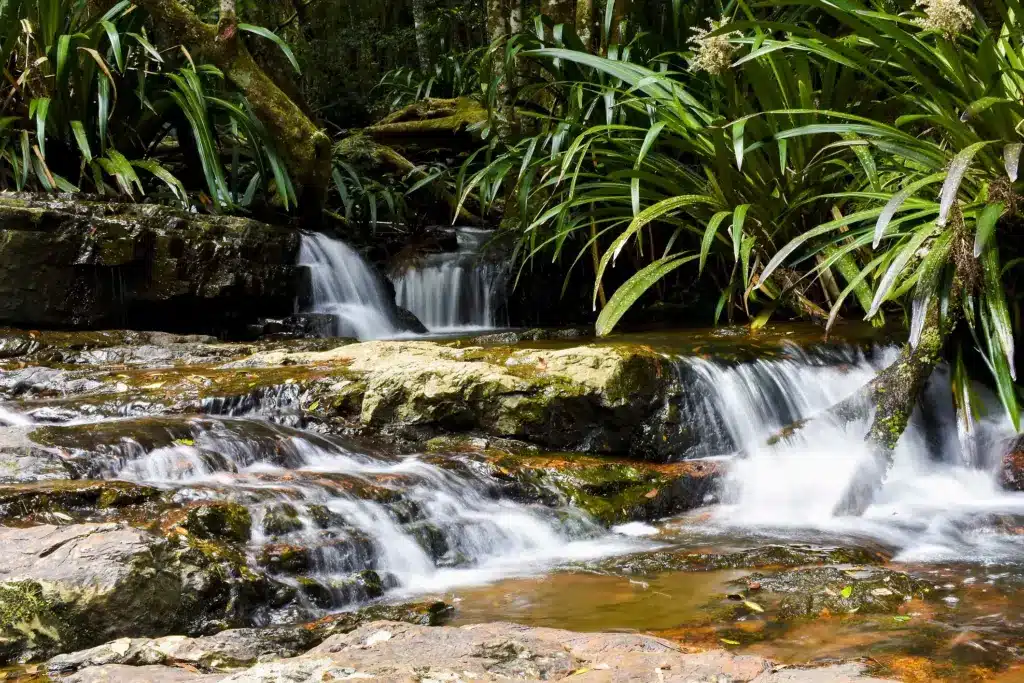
89	103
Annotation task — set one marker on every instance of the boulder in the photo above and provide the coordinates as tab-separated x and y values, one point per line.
602	399
1011	472
762	557
71	263
68	587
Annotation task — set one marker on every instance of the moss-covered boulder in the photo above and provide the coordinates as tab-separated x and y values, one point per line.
603	399
86	264
228	521
69	587
610	490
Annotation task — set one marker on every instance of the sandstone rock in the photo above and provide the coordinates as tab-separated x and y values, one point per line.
64	588
1011	473
116	673
88	264
593	398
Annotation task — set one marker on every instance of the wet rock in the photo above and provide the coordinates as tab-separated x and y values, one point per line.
611	491
829	590
762	557
64	588
533	334
88	264
1011	473
408	322
66	501
592	398
23	461
104	448
281	519
228	521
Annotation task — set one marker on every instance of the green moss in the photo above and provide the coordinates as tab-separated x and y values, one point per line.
281	519
229	521
27	620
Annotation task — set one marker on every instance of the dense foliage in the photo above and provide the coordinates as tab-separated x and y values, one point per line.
827	160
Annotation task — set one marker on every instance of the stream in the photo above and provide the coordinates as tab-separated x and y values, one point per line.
928	579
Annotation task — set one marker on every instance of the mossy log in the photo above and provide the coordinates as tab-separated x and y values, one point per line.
893	394
307	149
430	117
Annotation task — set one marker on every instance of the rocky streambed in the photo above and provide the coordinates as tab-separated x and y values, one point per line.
178	508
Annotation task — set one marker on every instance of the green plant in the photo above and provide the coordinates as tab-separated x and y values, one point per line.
91	103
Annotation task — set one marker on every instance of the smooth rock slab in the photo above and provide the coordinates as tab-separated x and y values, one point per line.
391	651
64	588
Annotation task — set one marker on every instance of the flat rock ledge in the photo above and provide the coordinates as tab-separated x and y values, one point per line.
392	651
595	398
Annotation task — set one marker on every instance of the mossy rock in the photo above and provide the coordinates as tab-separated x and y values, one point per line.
74	500
228	521
611	490
281	519
69	262
763	557
819	591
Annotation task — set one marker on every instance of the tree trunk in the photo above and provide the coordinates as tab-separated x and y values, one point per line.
419	18
893	393
306	148
585	22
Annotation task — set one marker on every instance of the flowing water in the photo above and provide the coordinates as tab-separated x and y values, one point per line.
455	291
345	287
442	525
422	525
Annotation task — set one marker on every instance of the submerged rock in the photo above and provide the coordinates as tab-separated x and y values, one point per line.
67	262
763	557
64	588
830	590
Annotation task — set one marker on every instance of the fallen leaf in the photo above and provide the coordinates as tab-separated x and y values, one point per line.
901	618
751	605
184	442
729	642
651	494
314	405
847	591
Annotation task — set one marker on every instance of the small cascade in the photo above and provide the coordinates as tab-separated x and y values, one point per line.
340	513
939	502
737	407
456	290
345	287
10	418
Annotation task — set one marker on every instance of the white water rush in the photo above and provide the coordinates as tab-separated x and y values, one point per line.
453	291
939	502
345	287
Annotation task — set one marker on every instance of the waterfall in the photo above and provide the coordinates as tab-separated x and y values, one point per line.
453	291
938	502
345	287
423	527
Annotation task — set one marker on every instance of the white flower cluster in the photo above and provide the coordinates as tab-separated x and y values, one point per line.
714	53
949	17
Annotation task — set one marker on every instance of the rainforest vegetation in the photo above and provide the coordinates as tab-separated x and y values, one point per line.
721	162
